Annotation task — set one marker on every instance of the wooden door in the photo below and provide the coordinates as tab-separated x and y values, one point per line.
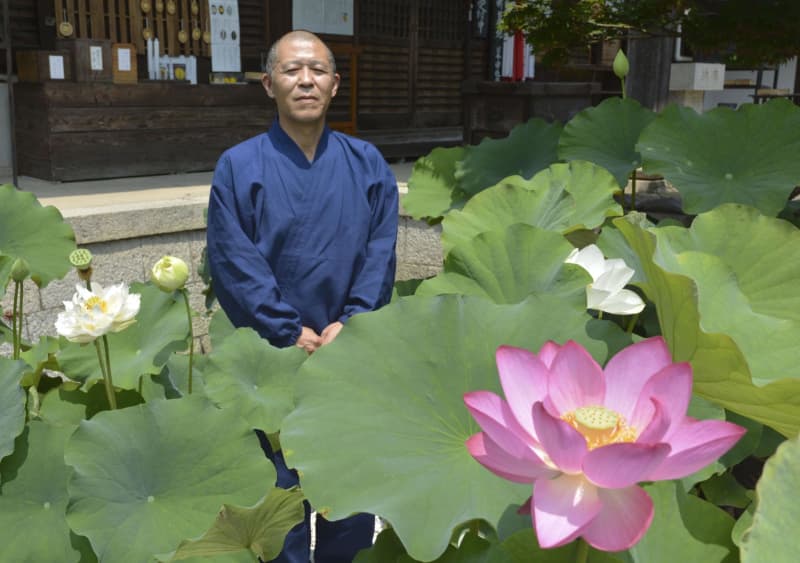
411	64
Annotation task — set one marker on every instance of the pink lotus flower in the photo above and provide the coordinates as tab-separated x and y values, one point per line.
585	436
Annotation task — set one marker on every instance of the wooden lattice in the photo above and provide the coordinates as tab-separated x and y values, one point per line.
179	25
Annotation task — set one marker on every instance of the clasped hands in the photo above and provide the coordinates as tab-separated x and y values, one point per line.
310	340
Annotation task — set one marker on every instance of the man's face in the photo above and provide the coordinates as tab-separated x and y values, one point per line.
302	82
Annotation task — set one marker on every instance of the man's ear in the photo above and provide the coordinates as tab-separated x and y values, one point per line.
336	80
266	81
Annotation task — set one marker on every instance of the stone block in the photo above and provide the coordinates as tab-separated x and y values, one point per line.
411	271
423	244
31	298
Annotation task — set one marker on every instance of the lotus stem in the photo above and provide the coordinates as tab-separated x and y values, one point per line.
632	323
191	335
15	320
33	392
582	553
622	81
105	367
633	191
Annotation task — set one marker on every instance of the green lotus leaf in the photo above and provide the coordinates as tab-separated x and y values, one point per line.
246	373
380	422
220	327
508	265
38	234
472	549
39	357
725	490
523	547
718	287
432	188
606	135
724	156
34	497
561	198
173	380
771	537
528	148
12	403
143	348
148	476
684	528
259	529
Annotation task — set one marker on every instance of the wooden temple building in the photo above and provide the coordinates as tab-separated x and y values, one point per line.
404	66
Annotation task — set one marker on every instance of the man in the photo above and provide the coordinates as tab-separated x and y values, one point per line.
302	226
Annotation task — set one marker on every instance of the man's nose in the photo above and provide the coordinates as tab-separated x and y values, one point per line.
306	76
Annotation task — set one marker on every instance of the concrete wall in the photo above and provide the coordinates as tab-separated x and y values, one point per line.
126	244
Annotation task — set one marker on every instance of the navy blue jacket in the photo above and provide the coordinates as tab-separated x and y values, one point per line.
293	243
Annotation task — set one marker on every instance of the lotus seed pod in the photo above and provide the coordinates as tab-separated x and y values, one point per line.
81	258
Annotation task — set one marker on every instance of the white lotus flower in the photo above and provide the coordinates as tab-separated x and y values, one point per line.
606	292
92	314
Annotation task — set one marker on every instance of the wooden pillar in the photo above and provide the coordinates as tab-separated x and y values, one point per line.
650	59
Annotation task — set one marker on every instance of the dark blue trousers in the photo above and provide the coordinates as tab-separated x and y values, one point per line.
337	542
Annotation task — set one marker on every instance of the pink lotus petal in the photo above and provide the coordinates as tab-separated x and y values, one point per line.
630	369
672	387
495	418
524	380
500	462
618	466
658	427
562	507
575	380
565	446
625	516
548	352
695	444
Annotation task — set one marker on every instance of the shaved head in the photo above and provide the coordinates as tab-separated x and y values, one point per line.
272	56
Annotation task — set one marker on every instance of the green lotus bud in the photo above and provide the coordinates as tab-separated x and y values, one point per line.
621	66
20	270
80	258
169	273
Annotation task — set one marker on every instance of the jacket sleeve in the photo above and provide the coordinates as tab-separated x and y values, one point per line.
372	284
242	278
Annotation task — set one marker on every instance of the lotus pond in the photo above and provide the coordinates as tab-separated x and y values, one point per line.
645	390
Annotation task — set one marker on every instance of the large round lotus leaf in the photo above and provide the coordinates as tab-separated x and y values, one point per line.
508	265
739	269
161	328
523	547
432	188
562	198
35	233
247	374
12	403
34	497
606	135
724	156
380	421
529	148
773	535
148	476
258	530
684	528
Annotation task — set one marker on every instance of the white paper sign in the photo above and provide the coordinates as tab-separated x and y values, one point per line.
225	55
56	67
323	16
96	57
124	60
